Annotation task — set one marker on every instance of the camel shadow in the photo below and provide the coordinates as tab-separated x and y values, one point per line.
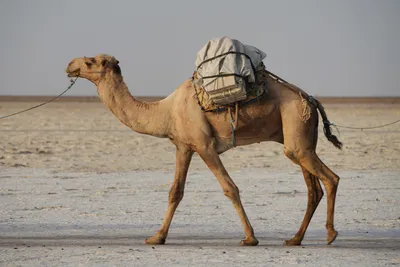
132	236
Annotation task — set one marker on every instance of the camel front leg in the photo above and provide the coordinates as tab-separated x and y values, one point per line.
211	158
183	158
315	195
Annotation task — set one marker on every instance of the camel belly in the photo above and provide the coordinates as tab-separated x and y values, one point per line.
256	123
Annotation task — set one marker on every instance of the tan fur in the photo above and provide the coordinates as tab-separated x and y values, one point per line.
179	118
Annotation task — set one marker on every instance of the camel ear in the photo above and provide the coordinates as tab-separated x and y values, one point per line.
117	69
117	62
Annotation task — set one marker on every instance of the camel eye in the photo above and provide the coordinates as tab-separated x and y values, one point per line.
88	64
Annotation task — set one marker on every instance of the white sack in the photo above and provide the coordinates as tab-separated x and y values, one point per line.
228	64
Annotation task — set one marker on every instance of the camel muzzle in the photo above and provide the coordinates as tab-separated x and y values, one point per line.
74	73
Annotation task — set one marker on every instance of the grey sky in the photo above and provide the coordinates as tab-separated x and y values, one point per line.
329	48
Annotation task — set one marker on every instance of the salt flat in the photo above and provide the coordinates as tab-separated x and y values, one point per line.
77	188
71	219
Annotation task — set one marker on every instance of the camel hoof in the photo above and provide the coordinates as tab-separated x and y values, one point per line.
332	234
155	240
293	242
249	241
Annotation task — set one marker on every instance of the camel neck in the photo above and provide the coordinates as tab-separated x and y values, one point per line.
143	117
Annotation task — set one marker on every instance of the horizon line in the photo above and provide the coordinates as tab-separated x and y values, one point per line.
326	99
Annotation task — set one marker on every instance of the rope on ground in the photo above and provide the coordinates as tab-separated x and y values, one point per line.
54	98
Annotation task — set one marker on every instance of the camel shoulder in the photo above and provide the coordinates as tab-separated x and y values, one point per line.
188	119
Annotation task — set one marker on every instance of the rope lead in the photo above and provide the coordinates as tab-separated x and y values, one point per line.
54	98
360	128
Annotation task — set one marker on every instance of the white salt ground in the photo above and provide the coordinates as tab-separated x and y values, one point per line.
77	188
72	219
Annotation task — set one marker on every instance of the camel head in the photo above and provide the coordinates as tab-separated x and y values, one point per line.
93	68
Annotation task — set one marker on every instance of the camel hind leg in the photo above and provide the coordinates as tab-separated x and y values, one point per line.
309	161
300	140
315	195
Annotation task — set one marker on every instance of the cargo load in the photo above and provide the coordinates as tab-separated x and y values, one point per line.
225	68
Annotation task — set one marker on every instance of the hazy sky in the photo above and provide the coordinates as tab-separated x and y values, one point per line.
327	47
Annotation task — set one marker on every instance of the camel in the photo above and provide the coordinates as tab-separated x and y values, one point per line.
179	118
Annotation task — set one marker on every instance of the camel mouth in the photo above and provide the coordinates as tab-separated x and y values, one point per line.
74	73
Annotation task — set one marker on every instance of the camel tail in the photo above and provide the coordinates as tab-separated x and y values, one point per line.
327	126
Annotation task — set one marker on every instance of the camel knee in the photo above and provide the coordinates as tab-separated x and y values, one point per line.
316	196
331	184
232	193
319	194
291	155
175	195
336	180
299	157
175	198
332	181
